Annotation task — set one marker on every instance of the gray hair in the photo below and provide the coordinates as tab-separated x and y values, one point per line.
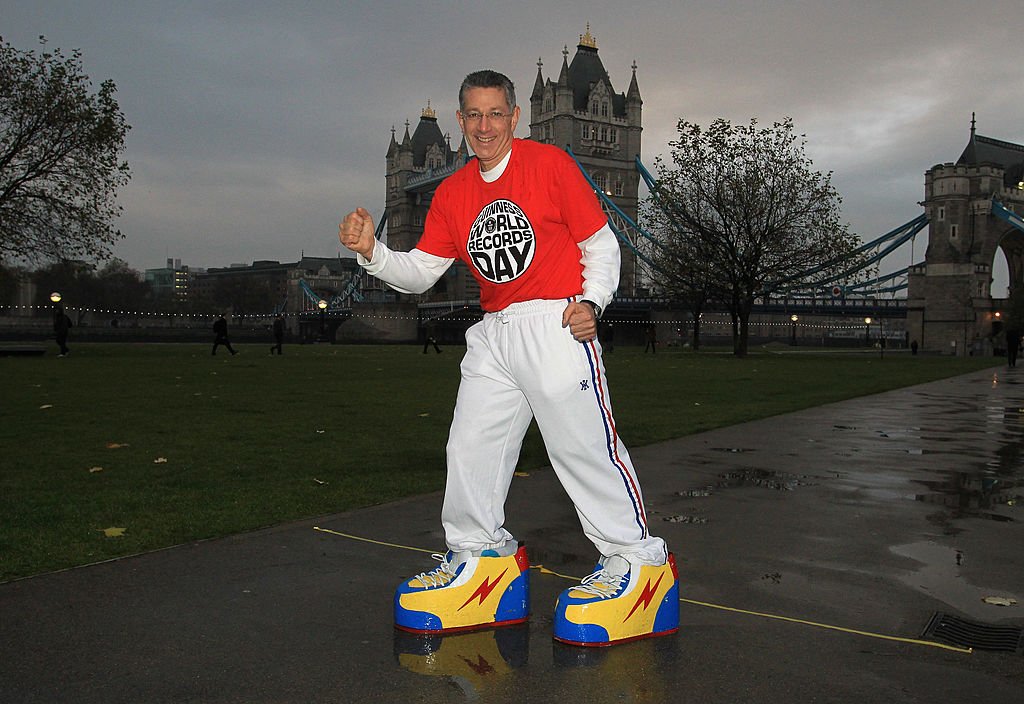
488	79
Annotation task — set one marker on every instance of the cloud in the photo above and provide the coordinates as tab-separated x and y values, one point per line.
256	125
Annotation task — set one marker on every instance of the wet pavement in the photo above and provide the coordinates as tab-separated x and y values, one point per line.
814	550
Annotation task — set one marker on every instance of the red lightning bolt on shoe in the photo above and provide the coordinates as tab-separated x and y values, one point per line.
484	590
645	596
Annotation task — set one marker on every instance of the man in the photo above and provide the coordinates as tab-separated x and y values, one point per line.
278	335
61	328
523	218
220	336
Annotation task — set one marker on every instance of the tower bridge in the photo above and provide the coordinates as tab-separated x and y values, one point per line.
971	211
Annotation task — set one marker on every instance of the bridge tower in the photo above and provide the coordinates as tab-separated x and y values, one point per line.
582	111
950	308
428	149
414	168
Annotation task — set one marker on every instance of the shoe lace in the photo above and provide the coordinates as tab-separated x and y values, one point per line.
601	584
440	575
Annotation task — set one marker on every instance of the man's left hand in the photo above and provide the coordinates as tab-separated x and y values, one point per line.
581	321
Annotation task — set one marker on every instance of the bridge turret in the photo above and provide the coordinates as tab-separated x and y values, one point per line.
950	303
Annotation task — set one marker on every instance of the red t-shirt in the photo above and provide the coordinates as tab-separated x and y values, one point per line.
519	235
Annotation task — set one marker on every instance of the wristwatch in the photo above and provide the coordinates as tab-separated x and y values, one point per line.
597	309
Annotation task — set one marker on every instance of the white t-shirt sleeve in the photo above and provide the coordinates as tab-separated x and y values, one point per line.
600	258
406	272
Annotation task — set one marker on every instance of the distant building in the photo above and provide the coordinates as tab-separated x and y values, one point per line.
173	281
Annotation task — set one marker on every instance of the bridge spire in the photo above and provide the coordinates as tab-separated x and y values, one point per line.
588	40
538	85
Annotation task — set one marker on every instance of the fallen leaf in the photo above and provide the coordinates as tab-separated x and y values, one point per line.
522	474
116	445
45	406
93	470
320	432
424	415
321	483
160	460
1000	600
114	532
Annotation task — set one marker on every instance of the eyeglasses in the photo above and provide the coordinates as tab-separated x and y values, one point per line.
493	116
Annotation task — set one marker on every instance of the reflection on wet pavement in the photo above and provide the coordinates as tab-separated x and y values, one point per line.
491	664
476	663
967	452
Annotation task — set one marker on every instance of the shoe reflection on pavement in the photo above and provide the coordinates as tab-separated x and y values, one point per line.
476	662
632	672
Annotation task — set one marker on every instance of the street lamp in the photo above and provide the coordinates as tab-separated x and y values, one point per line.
55	296
867	332
794	318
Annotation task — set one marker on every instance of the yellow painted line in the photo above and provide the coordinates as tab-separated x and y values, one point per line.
544	570
913	641
370	540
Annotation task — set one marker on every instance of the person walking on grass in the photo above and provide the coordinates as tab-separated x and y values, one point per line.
278	335
220	336
61	329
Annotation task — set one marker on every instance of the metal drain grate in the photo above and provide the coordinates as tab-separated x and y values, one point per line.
970	634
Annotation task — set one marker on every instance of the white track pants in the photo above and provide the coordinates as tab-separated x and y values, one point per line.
520	364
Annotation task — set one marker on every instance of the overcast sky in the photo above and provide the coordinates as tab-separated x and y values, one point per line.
257	125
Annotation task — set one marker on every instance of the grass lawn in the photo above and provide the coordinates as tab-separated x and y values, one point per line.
173	445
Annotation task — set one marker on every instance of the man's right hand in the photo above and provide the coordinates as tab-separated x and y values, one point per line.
356	232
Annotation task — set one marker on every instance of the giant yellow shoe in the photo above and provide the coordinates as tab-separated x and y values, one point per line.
607	608
483	591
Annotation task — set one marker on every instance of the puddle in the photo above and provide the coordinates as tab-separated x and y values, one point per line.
939	576
973	496
911	433
779	481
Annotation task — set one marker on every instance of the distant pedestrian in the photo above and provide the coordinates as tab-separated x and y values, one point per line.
61	327
278	334
913	347
652	339
608	338
220	332
431	339
1012	347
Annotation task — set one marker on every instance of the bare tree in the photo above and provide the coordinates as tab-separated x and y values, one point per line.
676	269
747	206
60	157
